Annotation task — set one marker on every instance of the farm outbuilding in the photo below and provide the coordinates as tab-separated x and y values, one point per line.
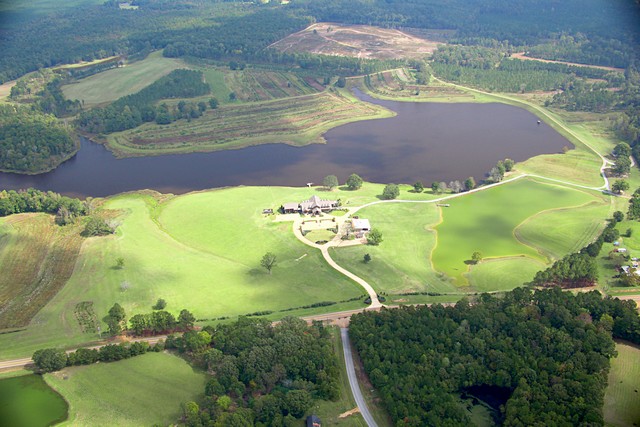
360	225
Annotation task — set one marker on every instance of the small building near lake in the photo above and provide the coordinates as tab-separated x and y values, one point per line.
314	206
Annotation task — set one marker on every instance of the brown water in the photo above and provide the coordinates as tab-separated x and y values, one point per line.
425	141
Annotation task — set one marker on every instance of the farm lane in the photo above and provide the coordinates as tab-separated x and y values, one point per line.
353	379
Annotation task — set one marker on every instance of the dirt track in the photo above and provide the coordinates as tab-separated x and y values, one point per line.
521	55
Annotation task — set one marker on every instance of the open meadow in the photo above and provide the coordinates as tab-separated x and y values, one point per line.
107	86
143	390
622	398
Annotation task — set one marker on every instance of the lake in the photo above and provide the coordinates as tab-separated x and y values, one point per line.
27	401
425	141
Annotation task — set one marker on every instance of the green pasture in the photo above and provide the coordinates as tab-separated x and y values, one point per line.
485	222
503	274
401	263
115	83
622	397
144	390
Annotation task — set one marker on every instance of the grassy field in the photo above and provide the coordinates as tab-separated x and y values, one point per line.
296	121
144	390
622	398
112	84
37	258
485	222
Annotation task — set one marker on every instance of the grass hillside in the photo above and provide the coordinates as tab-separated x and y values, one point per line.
622	398
144	390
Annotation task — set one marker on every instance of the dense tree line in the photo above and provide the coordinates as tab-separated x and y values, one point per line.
548	351
31	141
263	374
32	200
131	111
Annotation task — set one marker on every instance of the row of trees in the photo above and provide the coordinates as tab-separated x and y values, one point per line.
158	322
32	200
547	351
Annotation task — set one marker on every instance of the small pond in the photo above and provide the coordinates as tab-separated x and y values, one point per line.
27	401
425	141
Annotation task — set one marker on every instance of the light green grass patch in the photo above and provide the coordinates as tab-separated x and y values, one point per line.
485	222
622	399
320	235
115	83
559	232
215	79
503	274
143	390
401	263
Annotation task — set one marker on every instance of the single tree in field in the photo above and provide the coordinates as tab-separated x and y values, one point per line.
367	258
119	263
508	164
435	187
160	304
418	187
268	261
354	182
476	257
330	182
374	237
469	183
390	192
618	216
115	318
619	186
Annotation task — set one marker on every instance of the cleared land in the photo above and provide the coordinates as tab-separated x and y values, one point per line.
144	390
359	41
105	87
296	121
523	56
37	259
252	85
622	398
485	221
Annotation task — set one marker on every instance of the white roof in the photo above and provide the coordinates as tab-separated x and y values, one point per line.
361	224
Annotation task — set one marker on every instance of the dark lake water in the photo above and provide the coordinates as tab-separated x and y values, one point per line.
28	401
425	141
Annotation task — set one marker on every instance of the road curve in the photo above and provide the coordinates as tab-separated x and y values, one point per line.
353	380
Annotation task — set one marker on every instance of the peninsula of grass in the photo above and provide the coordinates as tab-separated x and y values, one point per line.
107	86
485	222
144	390
622	397
295	121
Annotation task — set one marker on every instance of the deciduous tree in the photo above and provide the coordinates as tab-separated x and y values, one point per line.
354	182
268	261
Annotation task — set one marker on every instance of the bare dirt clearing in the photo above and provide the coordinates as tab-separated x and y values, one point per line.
521	55
359	41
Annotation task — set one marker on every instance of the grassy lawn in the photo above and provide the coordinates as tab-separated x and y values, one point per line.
622	398
503	274
320	235
485	222
112	84
401	263
156	385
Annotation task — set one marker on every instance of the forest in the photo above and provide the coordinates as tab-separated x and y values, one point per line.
32	200
546	352
31	141
264	374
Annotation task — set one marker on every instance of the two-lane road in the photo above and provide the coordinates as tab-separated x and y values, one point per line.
353	380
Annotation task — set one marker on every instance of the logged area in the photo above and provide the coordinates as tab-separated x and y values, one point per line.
297	121
37	259
358	41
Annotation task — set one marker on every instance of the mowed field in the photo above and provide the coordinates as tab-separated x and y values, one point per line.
622	397
141	391
36	258
360	41
486	221
107	86
297	121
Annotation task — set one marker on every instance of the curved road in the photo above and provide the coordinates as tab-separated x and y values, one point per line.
353	380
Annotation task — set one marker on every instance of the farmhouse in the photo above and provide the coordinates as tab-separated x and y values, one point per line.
360	225
314	206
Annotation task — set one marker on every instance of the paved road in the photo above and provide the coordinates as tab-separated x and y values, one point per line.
353	380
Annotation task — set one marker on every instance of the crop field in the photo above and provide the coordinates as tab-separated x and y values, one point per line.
622	397
156	385
36	258
485	222
297	121
107	86
259	85
359	41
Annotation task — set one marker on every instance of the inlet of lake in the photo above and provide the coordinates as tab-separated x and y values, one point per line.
425	142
